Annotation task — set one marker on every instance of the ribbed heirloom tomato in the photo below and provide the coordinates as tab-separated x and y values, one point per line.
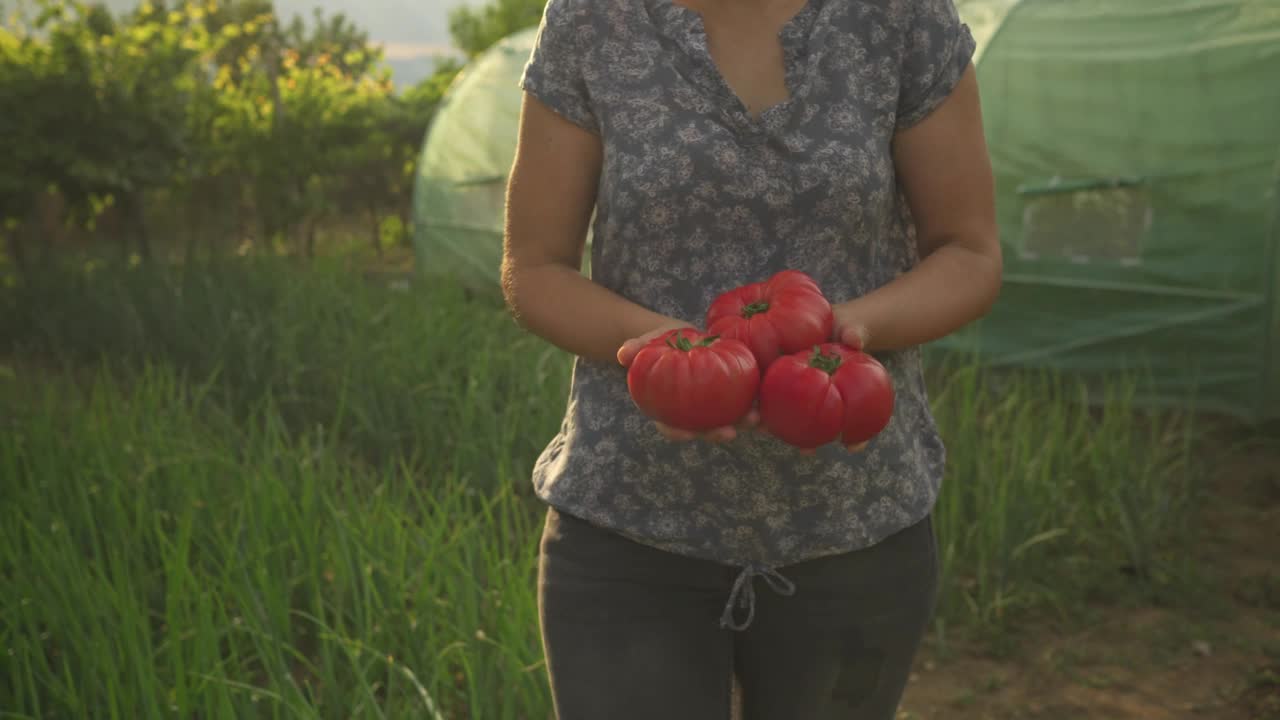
784	314
694	381
810	398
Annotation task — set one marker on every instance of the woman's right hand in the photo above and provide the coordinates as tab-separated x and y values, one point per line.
627	353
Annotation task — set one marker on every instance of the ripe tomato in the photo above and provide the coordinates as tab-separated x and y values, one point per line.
810	398
784	314
694	381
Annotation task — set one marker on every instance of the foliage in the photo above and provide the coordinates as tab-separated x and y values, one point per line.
210	115
474	30
279	492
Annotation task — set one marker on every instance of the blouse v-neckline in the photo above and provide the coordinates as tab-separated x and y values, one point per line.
686	27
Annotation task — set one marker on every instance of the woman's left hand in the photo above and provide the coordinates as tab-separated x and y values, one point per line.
848	329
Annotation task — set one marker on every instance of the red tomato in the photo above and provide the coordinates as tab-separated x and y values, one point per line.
694	381
784	314
810	398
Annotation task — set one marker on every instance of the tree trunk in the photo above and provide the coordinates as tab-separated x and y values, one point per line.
406	235
375	226
50	219
191	238
305	226
246	213
137	222
17	250
308	227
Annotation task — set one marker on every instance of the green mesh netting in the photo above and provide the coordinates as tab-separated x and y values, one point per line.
1136	147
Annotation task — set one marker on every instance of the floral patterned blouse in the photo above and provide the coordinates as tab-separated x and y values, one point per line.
696	197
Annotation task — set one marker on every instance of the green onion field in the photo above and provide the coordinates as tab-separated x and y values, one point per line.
249	489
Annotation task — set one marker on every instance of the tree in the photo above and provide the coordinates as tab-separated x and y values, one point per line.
208	107
102	109
476	30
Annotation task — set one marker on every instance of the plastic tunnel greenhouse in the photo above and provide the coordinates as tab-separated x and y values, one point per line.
462	171
1136	146
460	187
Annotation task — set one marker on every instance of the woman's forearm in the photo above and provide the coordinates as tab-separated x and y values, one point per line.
560	305
950	288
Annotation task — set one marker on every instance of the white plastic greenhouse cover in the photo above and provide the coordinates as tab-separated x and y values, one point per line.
459	192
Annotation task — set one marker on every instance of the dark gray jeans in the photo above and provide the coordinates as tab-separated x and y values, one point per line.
632	632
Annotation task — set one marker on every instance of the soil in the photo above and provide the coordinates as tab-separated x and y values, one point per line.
1216	658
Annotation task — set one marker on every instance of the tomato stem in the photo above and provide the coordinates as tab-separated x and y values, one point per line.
680	342
755	309
826	363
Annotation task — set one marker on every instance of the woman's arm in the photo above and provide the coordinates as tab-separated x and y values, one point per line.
945	173
550	196
549	201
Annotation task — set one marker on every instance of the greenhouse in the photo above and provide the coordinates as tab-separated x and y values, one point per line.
459	192
1136	147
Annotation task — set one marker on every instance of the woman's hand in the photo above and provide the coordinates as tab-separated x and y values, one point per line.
627	353
945	173
849	330
848	327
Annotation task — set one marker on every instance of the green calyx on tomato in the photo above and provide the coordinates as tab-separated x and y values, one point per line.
813	397
781	315
680	342
828	364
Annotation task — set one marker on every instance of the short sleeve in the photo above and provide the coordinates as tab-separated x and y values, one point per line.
937	49
554	73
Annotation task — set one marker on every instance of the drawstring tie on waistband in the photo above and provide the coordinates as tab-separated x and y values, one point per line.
745	595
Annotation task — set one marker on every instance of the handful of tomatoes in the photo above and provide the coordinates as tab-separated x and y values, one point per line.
766	344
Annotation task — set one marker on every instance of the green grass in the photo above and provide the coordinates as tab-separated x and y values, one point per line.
249	490
1051	500
448	385
162	556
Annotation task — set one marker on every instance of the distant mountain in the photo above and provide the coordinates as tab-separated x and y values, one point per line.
414	33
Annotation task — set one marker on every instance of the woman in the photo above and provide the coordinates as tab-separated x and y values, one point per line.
718	142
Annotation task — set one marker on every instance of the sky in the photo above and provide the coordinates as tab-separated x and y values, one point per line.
414	33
